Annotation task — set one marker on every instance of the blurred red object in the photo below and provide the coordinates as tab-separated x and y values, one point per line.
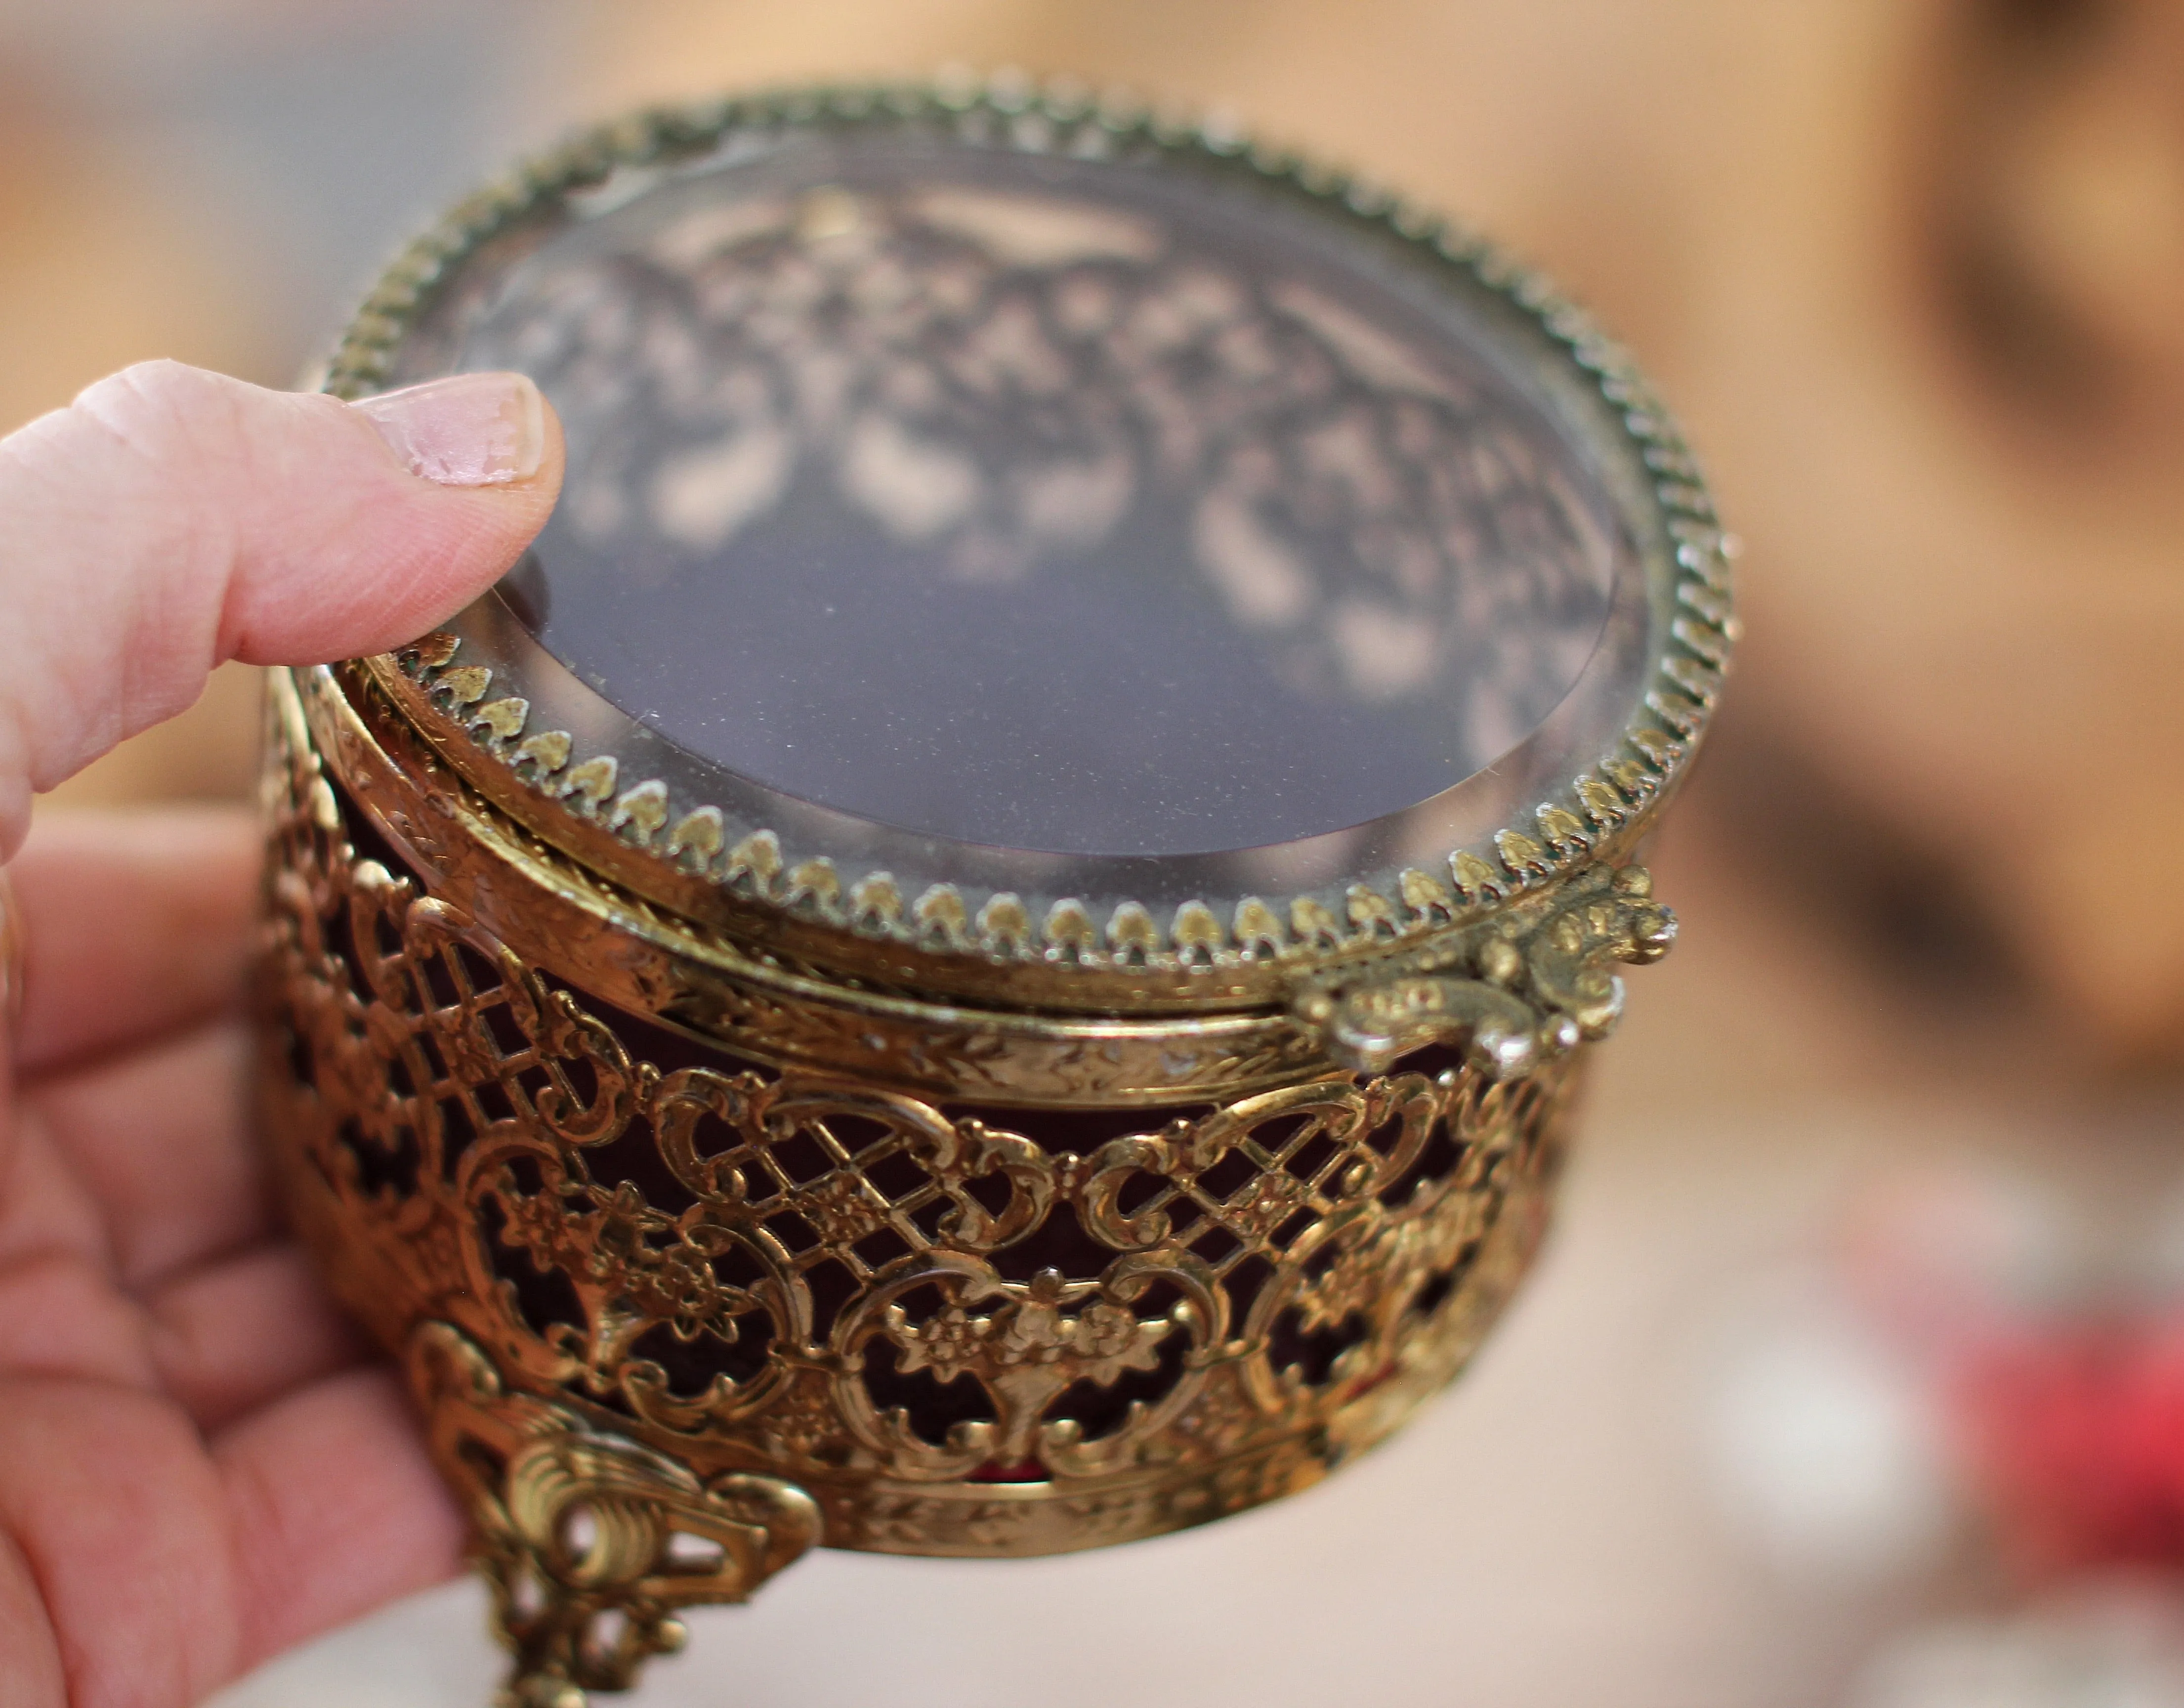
2069	1437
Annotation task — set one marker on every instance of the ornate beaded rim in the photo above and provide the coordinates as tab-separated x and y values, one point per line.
660	840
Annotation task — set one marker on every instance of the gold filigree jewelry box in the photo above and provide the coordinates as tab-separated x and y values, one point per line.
985	950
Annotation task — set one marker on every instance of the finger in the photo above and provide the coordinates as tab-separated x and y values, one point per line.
121	1519
135	925
147	1571
61	1315
157	1139
31	1672
232	1337
170	519
314	1550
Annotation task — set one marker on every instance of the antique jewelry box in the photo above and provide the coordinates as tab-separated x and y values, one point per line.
986	949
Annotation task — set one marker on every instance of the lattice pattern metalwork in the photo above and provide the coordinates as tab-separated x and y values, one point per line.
1072	1327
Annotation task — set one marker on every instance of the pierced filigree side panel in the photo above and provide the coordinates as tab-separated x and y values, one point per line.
962	1330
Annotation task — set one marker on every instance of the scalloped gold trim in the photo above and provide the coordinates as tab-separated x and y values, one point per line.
1559	835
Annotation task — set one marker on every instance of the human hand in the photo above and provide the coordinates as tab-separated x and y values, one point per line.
200	1466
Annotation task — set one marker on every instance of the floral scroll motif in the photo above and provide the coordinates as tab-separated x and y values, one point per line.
588	1542
695	1247
645	1273
1511	1006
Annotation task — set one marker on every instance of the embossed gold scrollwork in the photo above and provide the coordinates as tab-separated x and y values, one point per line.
952	1153
1365	1266
1340	1112
740	1272
686	1099
1569	957
590	1542
1511	1000
1200	1312
631	1269
1025	1344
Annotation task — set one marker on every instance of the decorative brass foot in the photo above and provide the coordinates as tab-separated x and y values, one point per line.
590	1542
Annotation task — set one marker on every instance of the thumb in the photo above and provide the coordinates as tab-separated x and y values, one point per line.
170	519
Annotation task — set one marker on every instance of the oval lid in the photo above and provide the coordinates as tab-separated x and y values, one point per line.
1032	548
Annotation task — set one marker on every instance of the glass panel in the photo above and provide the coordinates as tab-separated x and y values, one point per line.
1056	504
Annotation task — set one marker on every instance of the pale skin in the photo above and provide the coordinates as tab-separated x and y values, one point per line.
200	1463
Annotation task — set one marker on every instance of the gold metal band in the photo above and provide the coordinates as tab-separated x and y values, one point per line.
1515	991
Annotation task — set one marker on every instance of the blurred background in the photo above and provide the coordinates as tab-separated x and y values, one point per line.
1855	1375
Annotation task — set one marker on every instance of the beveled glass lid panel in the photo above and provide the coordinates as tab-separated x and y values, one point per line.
1043	503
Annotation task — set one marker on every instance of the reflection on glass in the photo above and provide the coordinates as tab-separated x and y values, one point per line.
1052	505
